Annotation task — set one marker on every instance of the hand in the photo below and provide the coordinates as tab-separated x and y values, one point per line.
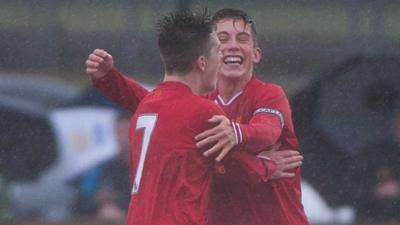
222	136
285	160
99	63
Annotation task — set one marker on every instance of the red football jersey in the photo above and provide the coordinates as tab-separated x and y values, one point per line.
171	179
261	117
260	111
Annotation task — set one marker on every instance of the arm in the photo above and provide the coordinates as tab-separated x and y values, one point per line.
268	165
112	83
271	115
271	112
120	89
242	164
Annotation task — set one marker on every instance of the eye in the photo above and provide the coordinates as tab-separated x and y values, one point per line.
223	38
243	38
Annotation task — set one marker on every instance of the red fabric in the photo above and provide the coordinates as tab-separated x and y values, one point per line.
262	129
176	181
276	202
240	196
121	89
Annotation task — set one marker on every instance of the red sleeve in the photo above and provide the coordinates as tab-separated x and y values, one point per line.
121	89
265	127
243	166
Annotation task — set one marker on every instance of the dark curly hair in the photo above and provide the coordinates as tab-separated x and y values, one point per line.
184	36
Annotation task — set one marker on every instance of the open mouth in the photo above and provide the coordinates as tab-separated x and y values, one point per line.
233	60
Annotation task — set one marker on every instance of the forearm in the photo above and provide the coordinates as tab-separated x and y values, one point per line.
120	89
260	133
246	167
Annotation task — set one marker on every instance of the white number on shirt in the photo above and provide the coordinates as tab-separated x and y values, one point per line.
146	122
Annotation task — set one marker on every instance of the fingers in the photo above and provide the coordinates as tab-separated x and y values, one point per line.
280	175
207	141
290	166
292	159
99	63
214	130
217	135
92	64
226	148
223	144
101	53
278	156
223	130
219	146
95	58
218	118
287	153
91	70
223	153
213	150
287	175
222	136
207	133
98	56
91	67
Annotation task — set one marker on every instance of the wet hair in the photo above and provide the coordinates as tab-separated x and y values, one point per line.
236	14
184	36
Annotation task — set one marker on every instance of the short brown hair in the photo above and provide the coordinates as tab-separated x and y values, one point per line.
231	13
184	36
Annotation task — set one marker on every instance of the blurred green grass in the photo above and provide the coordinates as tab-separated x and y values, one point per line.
285	17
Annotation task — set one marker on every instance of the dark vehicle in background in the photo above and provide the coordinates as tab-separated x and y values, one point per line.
27	142
348	124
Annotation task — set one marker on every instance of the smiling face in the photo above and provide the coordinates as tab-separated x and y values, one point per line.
238	49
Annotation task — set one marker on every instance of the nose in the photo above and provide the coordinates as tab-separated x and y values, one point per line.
232	45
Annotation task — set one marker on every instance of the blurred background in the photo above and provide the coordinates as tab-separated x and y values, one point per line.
338	61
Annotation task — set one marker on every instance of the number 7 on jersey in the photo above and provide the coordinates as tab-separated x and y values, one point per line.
146	122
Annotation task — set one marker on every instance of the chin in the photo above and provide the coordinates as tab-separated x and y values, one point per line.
232	75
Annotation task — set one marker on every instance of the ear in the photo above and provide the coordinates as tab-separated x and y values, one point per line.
257	55
201	63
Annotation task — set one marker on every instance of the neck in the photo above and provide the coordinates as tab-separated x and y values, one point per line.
190	80
228	87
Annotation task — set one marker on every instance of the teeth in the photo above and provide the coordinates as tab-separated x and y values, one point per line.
233	59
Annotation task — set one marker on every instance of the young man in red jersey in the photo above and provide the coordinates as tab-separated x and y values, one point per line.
171	179
261	115
257	126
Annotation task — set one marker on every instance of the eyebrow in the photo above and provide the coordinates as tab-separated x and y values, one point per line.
240	33
222	32
243	33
